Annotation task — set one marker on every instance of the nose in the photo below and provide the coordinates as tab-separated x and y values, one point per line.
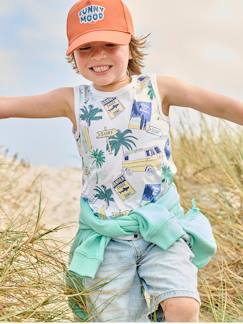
98	53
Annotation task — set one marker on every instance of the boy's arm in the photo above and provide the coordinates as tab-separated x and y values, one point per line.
56	103
178	93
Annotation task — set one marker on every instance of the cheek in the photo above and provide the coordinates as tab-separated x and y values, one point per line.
80	61
123	58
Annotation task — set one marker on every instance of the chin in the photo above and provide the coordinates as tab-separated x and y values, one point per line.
105	81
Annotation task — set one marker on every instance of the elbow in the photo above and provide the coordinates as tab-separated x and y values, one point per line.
6	109
3	115
234	113
3	110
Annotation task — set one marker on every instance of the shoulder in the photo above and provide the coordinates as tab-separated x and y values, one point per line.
157	82
165	83
67	94
173	90
62	96
72	95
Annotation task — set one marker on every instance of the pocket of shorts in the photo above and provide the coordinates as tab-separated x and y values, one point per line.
186	239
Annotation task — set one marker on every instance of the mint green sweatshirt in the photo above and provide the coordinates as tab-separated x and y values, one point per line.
161	222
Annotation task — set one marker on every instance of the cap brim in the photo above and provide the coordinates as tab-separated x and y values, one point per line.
100	36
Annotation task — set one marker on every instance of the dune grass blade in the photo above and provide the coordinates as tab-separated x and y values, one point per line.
33	262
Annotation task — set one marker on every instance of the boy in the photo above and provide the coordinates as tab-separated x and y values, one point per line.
132	227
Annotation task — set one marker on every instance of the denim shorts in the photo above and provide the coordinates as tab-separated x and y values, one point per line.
136	276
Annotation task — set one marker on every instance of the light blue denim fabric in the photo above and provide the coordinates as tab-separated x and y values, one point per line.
132	268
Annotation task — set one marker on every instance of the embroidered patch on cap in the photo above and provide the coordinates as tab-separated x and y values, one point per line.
91	14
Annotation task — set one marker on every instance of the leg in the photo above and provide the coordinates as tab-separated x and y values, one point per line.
169	275
181	309
115	293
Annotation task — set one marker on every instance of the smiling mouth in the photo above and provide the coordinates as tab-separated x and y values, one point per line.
101	68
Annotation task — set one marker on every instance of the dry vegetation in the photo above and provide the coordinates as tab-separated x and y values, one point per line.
212	172
33	255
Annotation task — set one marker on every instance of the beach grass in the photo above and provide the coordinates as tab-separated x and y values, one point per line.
33	263
210	169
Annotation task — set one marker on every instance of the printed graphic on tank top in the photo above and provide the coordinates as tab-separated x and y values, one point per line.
124	143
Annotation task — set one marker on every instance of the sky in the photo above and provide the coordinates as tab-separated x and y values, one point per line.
198	41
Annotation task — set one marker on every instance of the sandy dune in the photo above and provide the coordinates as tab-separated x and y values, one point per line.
20	189
61	191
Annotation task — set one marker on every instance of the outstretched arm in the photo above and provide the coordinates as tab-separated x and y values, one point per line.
55	103
178	93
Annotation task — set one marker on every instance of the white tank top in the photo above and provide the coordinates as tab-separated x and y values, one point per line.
124	141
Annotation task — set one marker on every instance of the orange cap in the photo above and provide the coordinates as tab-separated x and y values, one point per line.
98	20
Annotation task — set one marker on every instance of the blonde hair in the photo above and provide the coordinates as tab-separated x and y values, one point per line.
135	64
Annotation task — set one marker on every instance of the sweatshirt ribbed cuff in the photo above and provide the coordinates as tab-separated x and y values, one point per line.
166	235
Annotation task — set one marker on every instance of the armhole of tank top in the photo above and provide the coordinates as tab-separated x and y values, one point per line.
157	96
76	132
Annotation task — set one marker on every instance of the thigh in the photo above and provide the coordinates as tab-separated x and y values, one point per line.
116	291
168	273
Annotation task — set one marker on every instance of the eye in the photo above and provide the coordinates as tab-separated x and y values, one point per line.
83	49
110	45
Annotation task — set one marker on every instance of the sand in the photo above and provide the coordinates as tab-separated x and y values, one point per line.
60	189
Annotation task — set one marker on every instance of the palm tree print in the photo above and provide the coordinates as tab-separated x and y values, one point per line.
99	159
104	194
151	93
89	113
121	139
167	175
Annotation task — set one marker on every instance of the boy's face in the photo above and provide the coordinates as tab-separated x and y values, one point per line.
103	63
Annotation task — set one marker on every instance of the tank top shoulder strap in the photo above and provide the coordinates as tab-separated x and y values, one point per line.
153	78
80	97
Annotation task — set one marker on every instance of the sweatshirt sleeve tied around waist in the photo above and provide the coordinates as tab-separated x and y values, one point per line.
161	222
